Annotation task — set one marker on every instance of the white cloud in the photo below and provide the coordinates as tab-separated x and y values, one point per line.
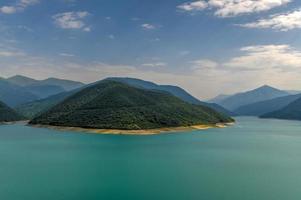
8	10
19	6
5	53
230	8
148	26
281	57
204	64
194	6
66	55
281	22
72	20
157	64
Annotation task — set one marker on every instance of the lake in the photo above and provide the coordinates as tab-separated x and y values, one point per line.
254	160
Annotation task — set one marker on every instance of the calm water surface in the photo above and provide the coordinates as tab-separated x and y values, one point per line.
253	160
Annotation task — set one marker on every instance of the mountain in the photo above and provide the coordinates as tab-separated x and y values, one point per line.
219	98
7	114
115	105
44	91
174	90
35	108
14	95
260	94
22	80
65	84
44	88
263	107
291	112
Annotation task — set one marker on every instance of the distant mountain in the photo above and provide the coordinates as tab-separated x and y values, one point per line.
7	114
22	80
263	107
44	88
44	91
174	90
260	94
65	84
115	105
14	95
62	83
290	112
35	108
219	98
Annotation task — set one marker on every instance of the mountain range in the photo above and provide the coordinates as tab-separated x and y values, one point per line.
18	90
291	112
263	93
263	107
110	104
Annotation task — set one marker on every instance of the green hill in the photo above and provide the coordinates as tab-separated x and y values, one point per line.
174	90
115	105
7	114
35	108
291	112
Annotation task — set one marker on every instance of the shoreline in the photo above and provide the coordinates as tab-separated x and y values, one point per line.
136	132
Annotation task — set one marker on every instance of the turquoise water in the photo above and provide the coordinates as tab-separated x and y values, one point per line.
253	160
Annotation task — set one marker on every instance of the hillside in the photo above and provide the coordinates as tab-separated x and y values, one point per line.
291	111
115	105
174	90
13	95
35	108
7	114
260	94
263	107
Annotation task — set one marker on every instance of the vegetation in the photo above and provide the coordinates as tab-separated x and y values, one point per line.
174	90
35	108
7	114
115	105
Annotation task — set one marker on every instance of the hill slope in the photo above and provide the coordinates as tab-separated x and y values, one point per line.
263	107
115	105
260	94
7	114
291	111
174	90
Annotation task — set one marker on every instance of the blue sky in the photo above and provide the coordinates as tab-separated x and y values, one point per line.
207	46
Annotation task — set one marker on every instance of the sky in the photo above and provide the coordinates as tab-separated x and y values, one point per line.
208	47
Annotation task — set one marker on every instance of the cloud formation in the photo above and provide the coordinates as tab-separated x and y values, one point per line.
230	8
281	22
19	6
148	26
72	20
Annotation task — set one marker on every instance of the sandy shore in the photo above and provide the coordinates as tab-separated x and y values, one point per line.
136	132
16	122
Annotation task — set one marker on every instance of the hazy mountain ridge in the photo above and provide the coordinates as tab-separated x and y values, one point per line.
114	105
290	112
19	90
263	107
244	98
